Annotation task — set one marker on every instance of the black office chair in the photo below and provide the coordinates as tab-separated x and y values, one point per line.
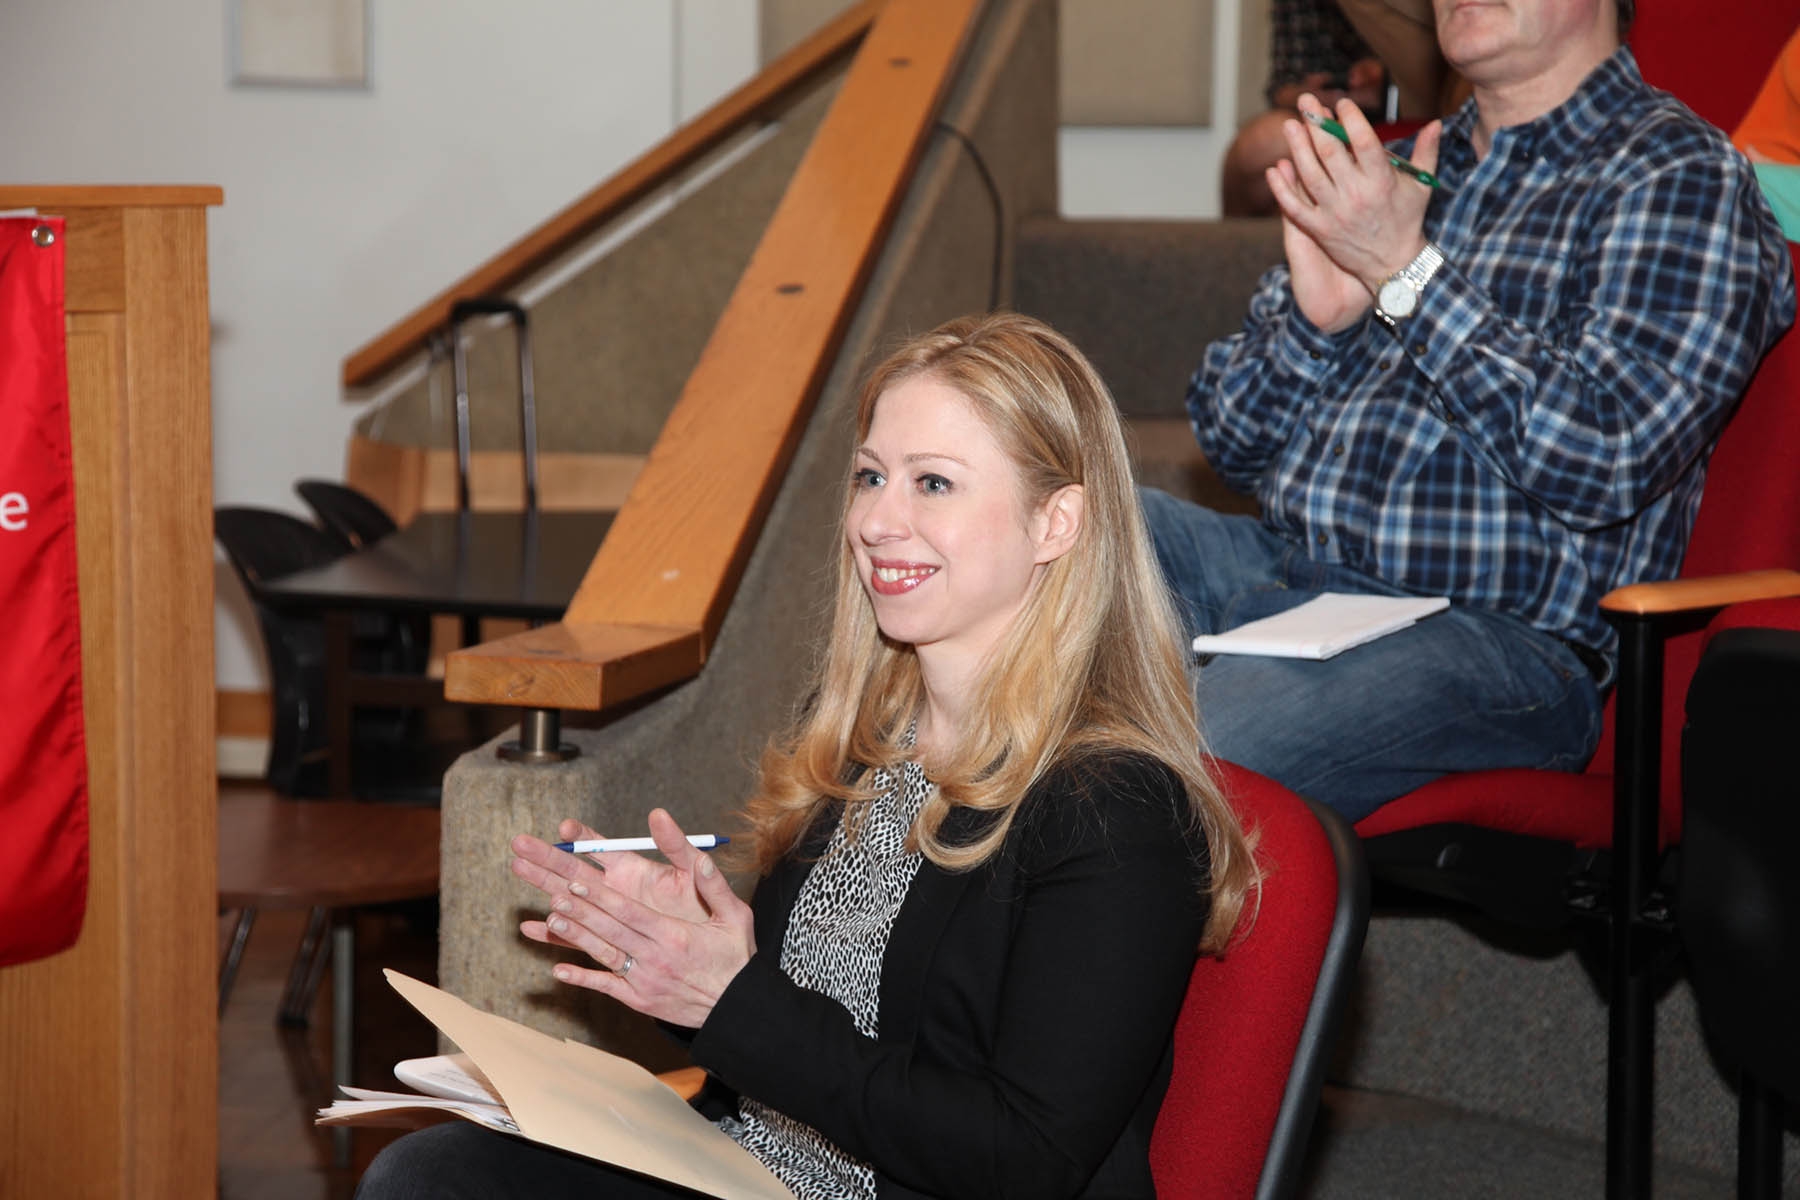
395	756
262	545
1738	906
384	643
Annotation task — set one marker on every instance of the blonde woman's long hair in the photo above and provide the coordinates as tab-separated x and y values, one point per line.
1092	663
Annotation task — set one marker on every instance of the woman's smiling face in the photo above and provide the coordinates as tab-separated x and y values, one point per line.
945	543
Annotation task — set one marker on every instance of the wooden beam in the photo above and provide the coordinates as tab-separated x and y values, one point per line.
243	713
94	266
758	99
588	667
54	198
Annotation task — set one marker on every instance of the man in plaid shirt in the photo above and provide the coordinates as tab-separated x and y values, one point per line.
1502	390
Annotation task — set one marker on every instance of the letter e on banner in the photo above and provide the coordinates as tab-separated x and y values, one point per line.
43	745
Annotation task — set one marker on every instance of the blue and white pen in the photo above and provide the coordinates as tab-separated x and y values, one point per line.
701	841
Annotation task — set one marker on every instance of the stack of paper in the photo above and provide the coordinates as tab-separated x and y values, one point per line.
447	1083
1326	625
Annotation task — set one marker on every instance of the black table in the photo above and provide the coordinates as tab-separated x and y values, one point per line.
472	565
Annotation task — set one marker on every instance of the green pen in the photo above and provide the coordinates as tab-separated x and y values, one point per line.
1400	164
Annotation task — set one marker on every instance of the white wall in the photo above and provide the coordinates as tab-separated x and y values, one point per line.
346	209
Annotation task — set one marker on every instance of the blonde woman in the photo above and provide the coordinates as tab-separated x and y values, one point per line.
989	849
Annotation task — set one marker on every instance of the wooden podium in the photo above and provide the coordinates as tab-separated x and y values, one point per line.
109	1050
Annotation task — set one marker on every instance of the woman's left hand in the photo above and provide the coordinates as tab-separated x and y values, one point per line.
669	966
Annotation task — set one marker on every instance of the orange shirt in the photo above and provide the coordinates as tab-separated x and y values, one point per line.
1772	126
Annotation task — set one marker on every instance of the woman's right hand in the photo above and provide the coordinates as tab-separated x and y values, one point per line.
667	887
670	937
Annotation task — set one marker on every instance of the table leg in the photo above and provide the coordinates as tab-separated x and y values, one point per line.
339	708
343	1025
240	935
303	975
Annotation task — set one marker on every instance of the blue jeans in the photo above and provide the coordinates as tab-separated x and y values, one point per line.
1464	690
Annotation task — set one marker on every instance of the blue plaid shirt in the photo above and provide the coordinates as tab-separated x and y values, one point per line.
1537	432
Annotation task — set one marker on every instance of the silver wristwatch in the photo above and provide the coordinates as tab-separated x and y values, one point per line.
1398	296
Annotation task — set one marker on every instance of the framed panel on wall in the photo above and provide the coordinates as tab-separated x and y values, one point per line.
298	43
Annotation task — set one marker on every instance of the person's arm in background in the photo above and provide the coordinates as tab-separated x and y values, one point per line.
1770	131
1312	49
1402	34
1293	57
1781	188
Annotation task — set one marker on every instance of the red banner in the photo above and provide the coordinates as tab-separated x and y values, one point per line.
43	750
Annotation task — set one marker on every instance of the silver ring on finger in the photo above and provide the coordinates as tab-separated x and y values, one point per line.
625	967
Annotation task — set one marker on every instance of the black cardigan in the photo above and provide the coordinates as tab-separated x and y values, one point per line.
1026	1007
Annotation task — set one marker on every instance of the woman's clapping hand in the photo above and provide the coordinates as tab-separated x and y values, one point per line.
670	935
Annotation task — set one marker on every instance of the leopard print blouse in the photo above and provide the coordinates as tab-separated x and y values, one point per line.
836	938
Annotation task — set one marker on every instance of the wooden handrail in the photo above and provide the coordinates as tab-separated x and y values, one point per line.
55	197
767	93
656	593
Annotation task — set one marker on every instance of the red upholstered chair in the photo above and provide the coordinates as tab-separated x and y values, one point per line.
1259	1021
1714	54
1542	847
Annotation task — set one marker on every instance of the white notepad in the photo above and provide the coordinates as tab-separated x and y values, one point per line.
1326	625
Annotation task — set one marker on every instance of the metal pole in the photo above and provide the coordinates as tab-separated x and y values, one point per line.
1631	1009
540	733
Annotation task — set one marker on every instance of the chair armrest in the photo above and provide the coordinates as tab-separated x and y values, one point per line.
1700	594
580	665
685	1082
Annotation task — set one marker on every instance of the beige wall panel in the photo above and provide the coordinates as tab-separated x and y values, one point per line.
1137	62
1123	62
786	22
1253	58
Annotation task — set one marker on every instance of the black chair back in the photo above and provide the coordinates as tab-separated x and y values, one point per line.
345	513
388	644
1738	905
264	545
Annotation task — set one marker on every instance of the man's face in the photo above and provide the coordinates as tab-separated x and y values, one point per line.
1494	42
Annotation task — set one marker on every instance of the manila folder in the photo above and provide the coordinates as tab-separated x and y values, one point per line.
582	1099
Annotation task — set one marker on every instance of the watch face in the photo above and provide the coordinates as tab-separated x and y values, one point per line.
1396	298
